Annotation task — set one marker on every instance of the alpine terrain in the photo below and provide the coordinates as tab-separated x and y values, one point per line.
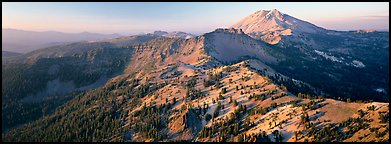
270	77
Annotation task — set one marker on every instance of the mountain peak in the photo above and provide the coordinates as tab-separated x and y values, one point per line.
268	12
179	34
160	32
268	25
275	12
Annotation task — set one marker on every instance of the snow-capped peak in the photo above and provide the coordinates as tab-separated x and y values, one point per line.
275	13
270	24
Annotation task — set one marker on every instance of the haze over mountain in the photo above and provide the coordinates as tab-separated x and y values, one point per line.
268	78
9	54
23	41
174	34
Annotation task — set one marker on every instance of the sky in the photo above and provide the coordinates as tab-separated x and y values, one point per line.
194	17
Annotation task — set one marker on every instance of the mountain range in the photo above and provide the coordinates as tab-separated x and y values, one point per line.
269	77
22	41
174	34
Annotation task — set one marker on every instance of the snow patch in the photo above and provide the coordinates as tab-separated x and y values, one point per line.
355	63
358	64
330	57
380	90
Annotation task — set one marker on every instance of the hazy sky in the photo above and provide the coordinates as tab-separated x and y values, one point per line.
137	17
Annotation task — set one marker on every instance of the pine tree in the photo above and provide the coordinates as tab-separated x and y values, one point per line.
348	100
221	97
223	90
208	117
236	129
240	138
174	100
280	136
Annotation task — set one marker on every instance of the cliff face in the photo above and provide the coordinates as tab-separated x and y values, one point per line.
185	125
